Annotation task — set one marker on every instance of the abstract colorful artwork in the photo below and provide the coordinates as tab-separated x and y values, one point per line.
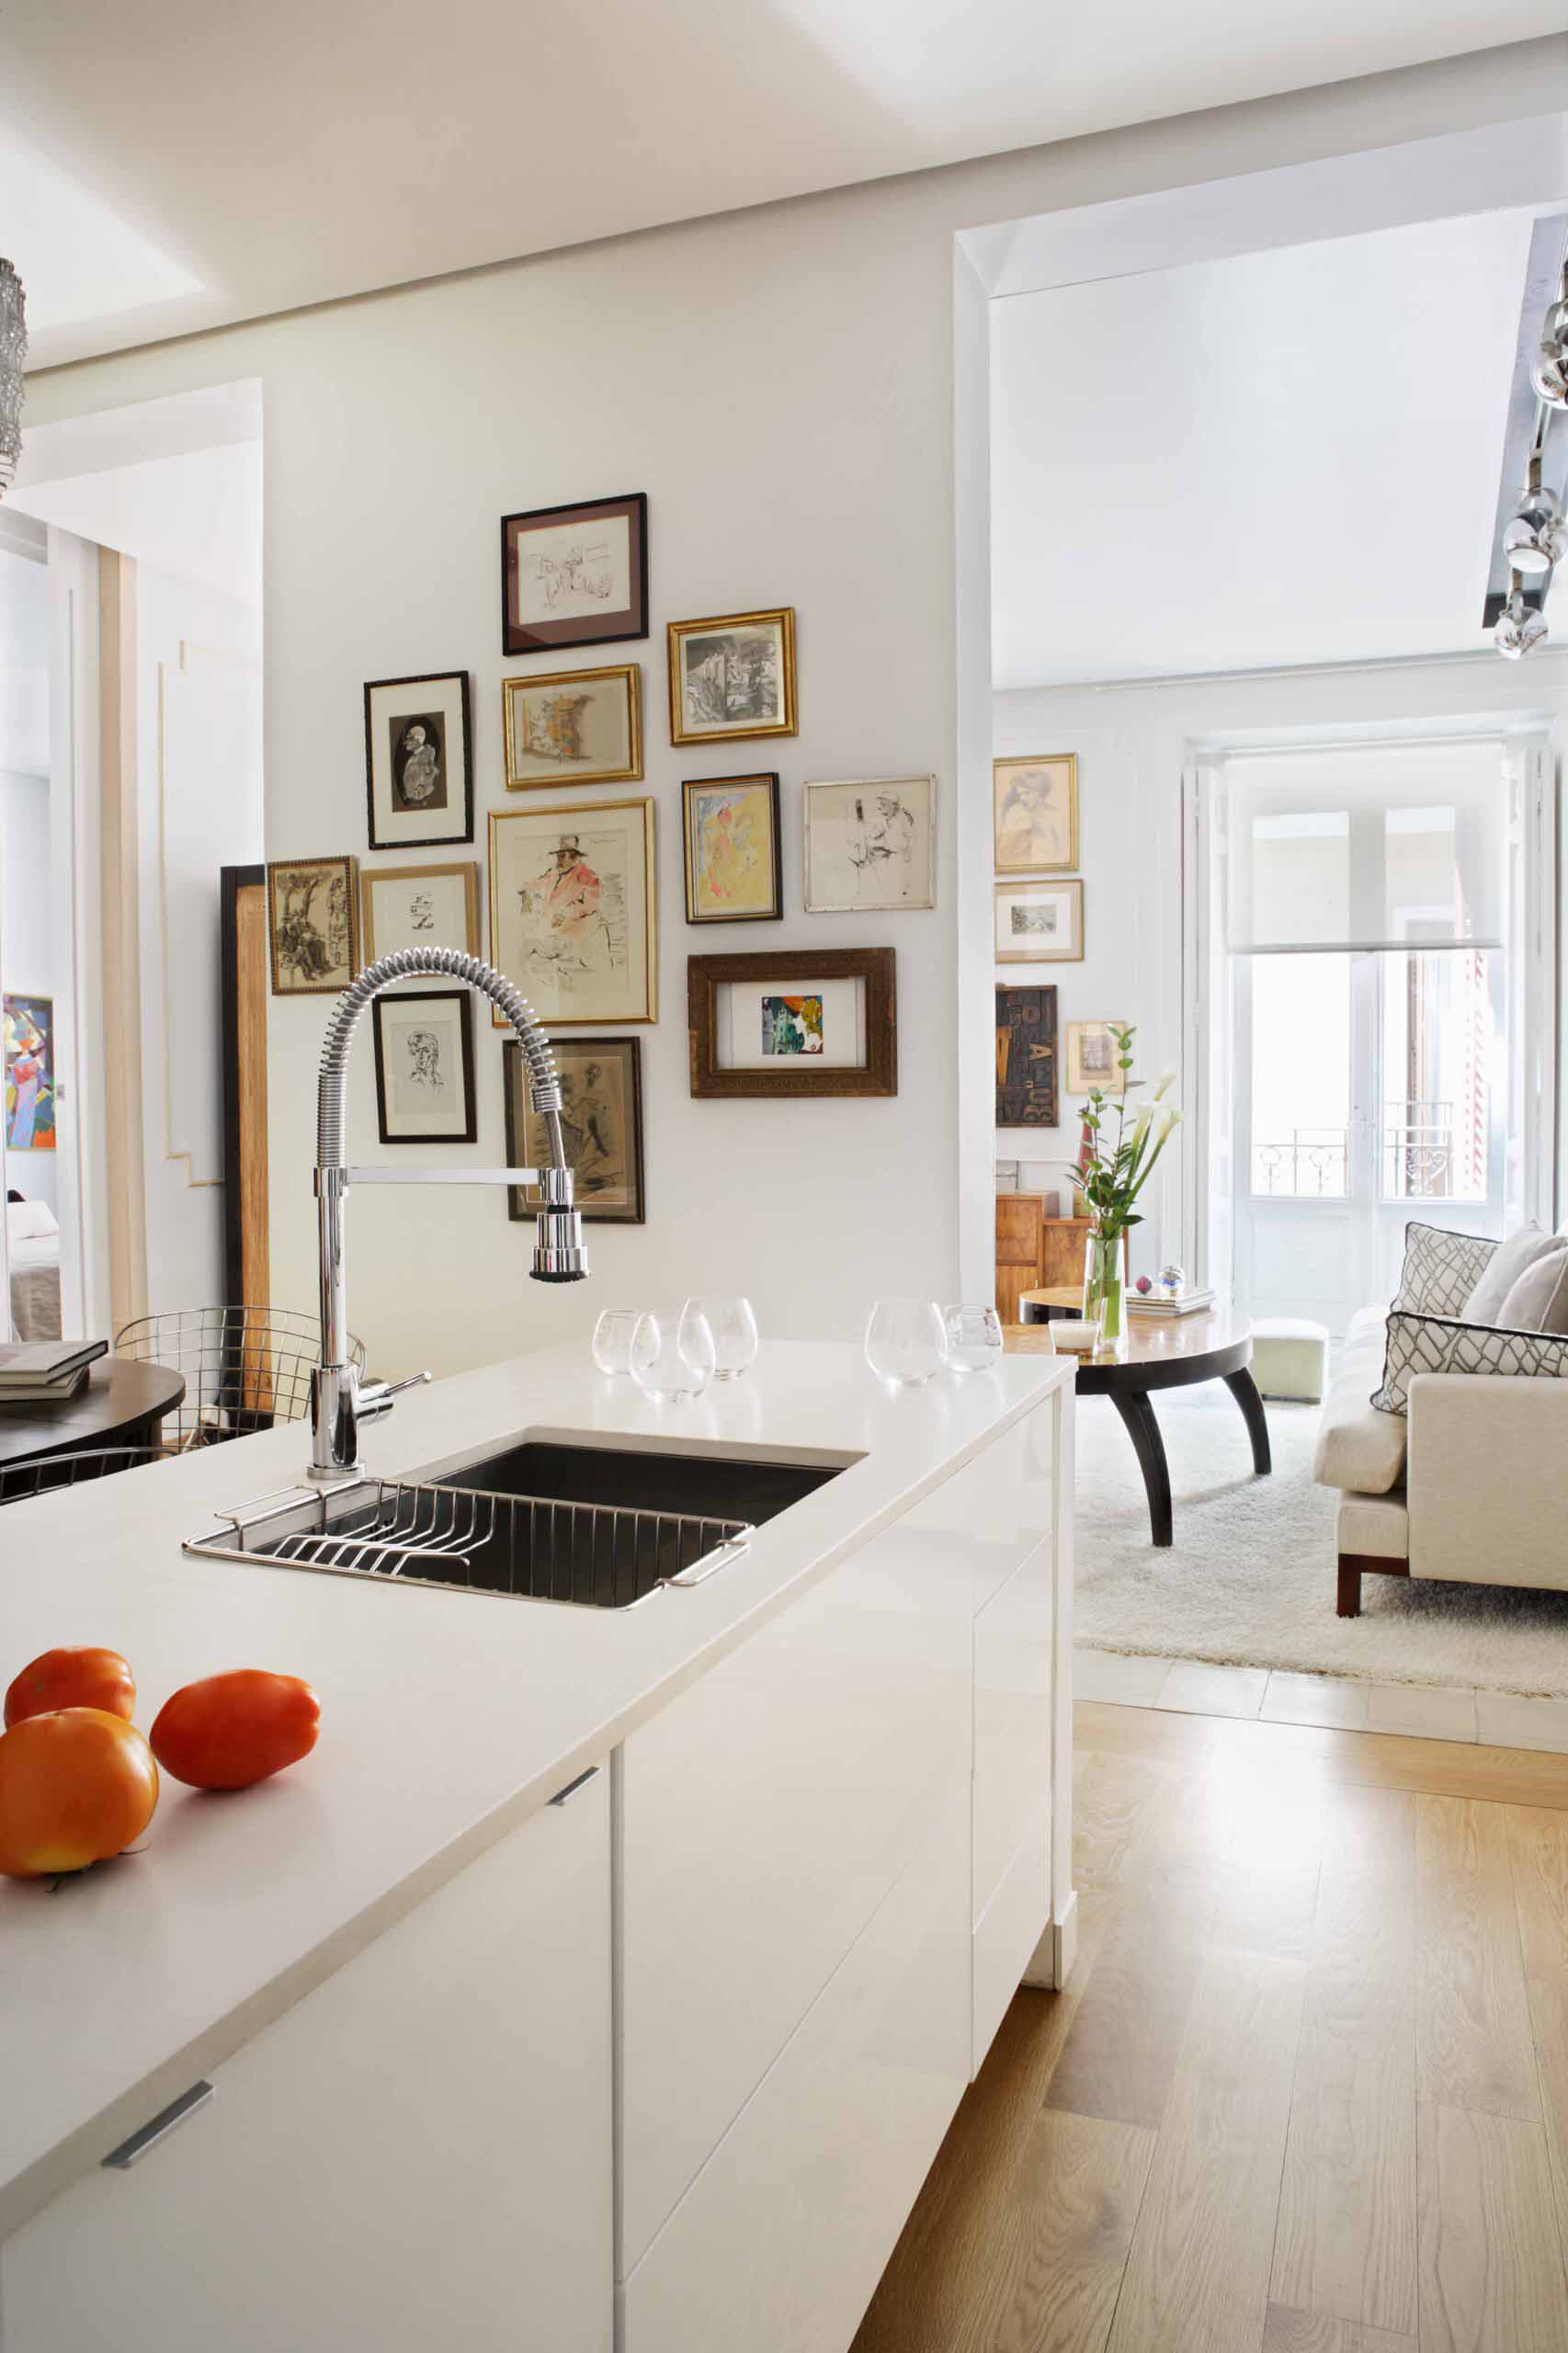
791	1025
29	1073
732	849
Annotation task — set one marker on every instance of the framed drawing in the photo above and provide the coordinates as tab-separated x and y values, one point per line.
816	1022
419	761
424	1066
1039	923
420	906
870	845
572	910
601	1123
735	676
29	1073
575	576
312	904
733	860
1093	1058
574	727
1035	812
1027	1077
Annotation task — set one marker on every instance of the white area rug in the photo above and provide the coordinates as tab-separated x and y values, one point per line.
1250	1579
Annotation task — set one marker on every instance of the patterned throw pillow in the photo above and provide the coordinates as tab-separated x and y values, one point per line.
1440	1344
1440	1270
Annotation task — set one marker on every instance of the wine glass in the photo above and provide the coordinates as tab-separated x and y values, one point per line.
672	1355
612	1339
974	1338
734	1327
906	1341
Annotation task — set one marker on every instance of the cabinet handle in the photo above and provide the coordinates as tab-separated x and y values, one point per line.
573	1786
147	2136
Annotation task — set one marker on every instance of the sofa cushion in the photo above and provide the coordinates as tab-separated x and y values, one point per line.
1441	1269
1501	1271
1443	1344
1538	1300
1358	1449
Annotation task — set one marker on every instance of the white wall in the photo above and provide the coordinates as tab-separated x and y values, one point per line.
780	382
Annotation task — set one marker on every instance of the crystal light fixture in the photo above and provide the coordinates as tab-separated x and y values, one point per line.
13	351
1520	629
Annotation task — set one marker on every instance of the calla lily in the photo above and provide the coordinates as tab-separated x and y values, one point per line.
1163	1085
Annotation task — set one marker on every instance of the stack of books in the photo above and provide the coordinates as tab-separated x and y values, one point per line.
46	1372
1149	1303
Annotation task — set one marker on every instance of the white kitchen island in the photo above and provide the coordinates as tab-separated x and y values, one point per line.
605	1977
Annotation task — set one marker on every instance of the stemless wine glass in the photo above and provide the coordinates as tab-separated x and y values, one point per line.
672	1355
612	1339
974	1338
734	1327
906	1342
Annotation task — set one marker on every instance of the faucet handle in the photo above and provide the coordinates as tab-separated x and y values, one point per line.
375	1397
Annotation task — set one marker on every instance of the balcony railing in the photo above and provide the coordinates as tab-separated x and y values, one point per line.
1420	1159
1302	1164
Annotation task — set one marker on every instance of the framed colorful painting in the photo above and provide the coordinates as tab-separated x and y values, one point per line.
575	576
1035	812
601	1125
572	910
816	1022
313	905
732	676
29	1073
732	850
573	727
419	761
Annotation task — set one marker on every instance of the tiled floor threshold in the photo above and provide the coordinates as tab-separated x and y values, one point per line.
1189	1687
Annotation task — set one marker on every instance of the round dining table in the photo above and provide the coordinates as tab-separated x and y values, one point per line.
121	1404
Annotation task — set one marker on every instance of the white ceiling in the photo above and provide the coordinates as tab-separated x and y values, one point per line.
176	163
1286	457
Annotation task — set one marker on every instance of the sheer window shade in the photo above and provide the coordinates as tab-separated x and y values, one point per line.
1372	845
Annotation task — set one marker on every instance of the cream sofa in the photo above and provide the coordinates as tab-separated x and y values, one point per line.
1471	1484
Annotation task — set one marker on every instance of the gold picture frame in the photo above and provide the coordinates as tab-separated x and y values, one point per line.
570	727
1034	813
571	959
372	878
313	924
740	683
1038	920
1082	1077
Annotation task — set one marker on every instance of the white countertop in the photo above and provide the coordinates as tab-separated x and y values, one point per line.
446	1717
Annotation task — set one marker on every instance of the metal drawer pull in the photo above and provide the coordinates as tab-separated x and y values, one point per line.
573	1786
159	2128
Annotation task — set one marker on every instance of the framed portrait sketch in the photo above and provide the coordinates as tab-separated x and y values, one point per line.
813	1022
29	1073
573	727
1035	812
1039	923
424	1066
572	910
601	1123
1093	1058
419	761
575	576
1026	1070
735	676
312	906
732	850
420	906
870	845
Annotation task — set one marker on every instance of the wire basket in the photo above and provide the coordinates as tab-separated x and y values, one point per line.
245	1368
52	1471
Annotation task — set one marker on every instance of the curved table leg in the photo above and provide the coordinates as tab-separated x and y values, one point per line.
1138	1420
1243	1389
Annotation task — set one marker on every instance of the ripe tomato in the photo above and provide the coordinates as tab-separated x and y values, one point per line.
79	1678
232	1730
75	1787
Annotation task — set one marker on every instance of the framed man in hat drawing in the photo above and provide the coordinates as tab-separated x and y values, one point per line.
562	921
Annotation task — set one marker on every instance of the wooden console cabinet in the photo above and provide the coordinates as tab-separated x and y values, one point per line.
1034	1251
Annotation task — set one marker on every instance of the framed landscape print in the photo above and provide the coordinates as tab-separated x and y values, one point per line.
420	906
1027	1074
601	1123
816	1022
575	576
424	1066
735	676
572	911
870	845
310	911
1039	923
29	1073
419	761
732	850
1093	1058
574	727
1035	811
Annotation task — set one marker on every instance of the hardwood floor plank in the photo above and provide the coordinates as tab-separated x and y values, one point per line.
1120	2057
1346	2241
1112	1800
1538	1844
1294	2332
1473	2043
1269	1894
1197	2279
1491	2274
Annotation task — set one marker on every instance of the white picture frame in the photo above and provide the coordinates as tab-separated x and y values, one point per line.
869	844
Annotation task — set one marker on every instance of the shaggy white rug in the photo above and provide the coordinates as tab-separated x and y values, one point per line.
1250	1579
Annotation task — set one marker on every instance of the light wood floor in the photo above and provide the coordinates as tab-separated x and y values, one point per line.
1307	2090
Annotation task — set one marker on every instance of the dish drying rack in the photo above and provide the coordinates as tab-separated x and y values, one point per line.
533	1547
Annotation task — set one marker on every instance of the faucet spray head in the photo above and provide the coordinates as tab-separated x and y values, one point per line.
560	1254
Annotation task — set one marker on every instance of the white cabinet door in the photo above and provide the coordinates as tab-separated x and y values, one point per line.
1013	1718
416	2155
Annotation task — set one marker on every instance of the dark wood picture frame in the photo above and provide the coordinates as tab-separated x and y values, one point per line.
419	841
522	1200
350	876
768	779
877	967
1028	1092
393	1002
605	629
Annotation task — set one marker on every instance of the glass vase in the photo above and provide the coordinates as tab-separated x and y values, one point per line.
1105	1299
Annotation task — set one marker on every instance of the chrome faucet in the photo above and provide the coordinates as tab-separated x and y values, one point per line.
340	1401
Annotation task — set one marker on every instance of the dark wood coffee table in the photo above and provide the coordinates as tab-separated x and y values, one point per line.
1174	1355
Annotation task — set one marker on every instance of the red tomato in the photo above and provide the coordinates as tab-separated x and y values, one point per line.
79	1678
232	1730
75	1787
